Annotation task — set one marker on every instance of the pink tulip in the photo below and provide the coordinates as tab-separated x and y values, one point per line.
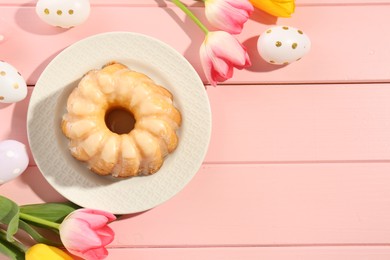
220	53
85	233
228	15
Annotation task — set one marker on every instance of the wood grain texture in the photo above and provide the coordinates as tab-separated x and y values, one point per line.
298	165
280	123
194	3
251	253
254	205
255	253
333	58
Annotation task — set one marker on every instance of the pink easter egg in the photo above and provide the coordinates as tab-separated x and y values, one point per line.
13	160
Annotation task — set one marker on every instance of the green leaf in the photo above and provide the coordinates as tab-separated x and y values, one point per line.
36	235
12	250
9	215
5	250
54	212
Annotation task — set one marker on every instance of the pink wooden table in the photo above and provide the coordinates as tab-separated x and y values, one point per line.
299	161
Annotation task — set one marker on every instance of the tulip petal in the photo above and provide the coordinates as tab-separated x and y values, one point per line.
220	53
77	234
106	235
94	221
231	49
217	69
241	4
228	15
108	215
222	69
278	8
95	253
85	233
207	64
229	19
45	252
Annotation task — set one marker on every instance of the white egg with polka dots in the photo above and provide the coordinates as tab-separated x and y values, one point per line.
13	88
63	13
13	160
283	45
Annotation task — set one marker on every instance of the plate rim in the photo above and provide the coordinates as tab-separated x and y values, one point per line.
76	45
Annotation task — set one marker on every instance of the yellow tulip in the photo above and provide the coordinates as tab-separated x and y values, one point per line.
45	252
279	8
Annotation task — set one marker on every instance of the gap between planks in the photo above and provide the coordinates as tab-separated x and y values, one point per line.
295	162
194	4
252	246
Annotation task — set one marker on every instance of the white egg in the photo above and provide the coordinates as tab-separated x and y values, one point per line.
283	45
13	87
63	13
13	160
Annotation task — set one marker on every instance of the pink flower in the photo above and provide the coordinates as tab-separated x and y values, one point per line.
85	233
228	15
220	53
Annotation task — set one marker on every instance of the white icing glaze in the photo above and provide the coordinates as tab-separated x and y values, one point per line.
109	153
128	148
89	91
140	152
80	106
92	143
79	128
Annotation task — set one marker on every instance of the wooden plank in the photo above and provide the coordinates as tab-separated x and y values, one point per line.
338	54
333	58
30	188
300	3
194	3
282	179
134	3
254	205
13	122
280	123
300	123
253	253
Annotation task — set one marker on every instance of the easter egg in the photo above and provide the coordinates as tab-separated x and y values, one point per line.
13	87
63	13
283	45
13	160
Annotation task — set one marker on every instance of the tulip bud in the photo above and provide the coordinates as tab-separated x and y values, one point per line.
45	252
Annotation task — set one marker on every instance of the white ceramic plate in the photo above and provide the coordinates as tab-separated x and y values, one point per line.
70	177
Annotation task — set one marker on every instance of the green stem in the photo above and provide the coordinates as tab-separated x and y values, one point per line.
40	221
191	15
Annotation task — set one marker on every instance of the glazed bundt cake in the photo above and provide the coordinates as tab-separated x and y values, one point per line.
142	150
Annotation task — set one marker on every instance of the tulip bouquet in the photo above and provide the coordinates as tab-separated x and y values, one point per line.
82	232
220	51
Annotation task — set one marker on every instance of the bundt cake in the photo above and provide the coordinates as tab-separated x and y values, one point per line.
142	150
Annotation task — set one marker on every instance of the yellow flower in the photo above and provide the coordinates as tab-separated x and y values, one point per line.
45	252
279	8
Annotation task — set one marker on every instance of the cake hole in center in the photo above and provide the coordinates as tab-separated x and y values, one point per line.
119	120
